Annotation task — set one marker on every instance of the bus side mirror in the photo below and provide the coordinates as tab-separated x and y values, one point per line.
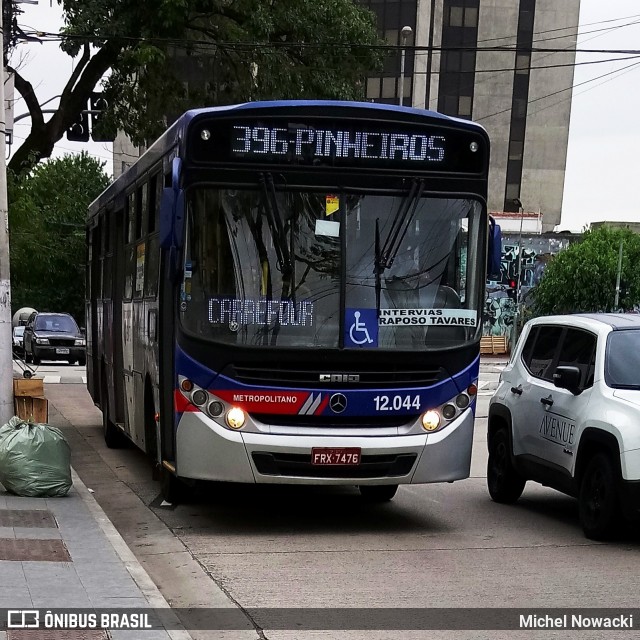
494	257
171	218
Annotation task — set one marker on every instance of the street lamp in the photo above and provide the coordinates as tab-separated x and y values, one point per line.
404	36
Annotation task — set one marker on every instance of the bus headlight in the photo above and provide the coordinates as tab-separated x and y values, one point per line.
431	420
440	417
235	418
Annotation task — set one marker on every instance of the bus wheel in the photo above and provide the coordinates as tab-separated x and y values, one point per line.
173	489
113	437
378	492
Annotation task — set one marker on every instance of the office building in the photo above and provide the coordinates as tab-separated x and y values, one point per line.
474	59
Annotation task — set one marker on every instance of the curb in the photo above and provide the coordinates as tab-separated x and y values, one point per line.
148	588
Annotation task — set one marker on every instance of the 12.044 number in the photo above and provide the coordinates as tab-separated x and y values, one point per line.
397	403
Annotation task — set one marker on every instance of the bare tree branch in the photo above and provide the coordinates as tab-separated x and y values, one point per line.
25	89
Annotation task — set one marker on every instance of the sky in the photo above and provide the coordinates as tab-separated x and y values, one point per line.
602	167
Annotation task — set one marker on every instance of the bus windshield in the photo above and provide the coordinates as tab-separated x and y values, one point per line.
284	268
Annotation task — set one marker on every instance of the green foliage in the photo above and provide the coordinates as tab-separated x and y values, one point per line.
582	278
47	210
222	53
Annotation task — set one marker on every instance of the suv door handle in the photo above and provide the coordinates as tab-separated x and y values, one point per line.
547	401
517	390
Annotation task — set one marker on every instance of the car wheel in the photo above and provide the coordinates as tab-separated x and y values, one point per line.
503	480
35	360
82	362
598	503
378	493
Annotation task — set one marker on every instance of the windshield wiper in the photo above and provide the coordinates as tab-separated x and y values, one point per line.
386	254
399	226
274	220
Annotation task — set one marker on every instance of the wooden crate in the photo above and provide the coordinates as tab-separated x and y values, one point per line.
494	345
28	387
32	408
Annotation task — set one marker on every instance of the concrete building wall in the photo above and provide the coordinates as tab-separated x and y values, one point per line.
547	134
497	24
547	119
124	154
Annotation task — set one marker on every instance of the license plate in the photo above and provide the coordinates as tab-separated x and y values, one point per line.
61	351
328	456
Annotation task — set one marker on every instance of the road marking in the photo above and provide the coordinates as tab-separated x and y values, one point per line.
482	385
51	379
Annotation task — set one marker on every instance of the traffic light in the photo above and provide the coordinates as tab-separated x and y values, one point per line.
99	104
79	130
512	289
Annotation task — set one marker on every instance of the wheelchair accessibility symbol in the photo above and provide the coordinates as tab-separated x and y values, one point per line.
361	328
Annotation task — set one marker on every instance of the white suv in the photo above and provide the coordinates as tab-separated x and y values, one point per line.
567	414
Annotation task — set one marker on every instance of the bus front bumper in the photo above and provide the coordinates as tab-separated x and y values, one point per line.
208	451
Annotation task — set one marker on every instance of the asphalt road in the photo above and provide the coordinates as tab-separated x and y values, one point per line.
432	546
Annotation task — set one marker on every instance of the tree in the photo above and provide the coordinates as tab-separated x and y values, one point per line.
164	56
47	210
582	278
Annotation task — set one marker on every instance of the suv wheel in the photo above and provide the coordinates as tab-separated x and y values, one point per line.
504	482
598	499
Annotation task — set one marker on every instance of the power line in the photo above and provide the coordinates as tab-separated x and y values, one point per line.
604	75
621	72
310	45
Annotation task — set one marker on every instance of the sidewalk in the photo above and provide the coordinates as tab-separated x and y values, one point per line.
65	553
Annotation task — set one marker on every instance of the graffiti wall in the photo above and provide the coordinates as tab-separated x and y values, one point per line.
500	303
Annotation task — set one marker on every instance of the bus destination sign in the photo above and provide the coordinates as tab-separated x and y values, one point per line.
322	143
332	143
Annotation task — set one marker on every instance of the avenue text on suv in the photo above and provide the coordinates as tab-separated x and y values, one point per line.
567	414
54	336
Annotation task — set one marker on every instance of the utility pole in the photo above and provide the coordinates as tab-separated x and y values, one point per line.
6	340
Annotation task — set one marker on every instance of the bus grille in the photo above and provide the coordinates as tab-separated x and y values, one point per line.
274	376
299	465
332	421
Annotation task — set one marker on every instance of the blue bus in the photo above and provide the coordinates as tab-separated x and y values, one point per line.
292	292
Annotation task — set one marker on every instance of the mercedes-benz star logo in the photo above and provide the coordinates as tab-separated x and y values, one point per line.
338	402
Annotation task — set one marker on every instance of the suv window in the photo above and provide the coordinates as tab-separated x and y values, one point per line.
578	350
622	361
528	346
544	351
